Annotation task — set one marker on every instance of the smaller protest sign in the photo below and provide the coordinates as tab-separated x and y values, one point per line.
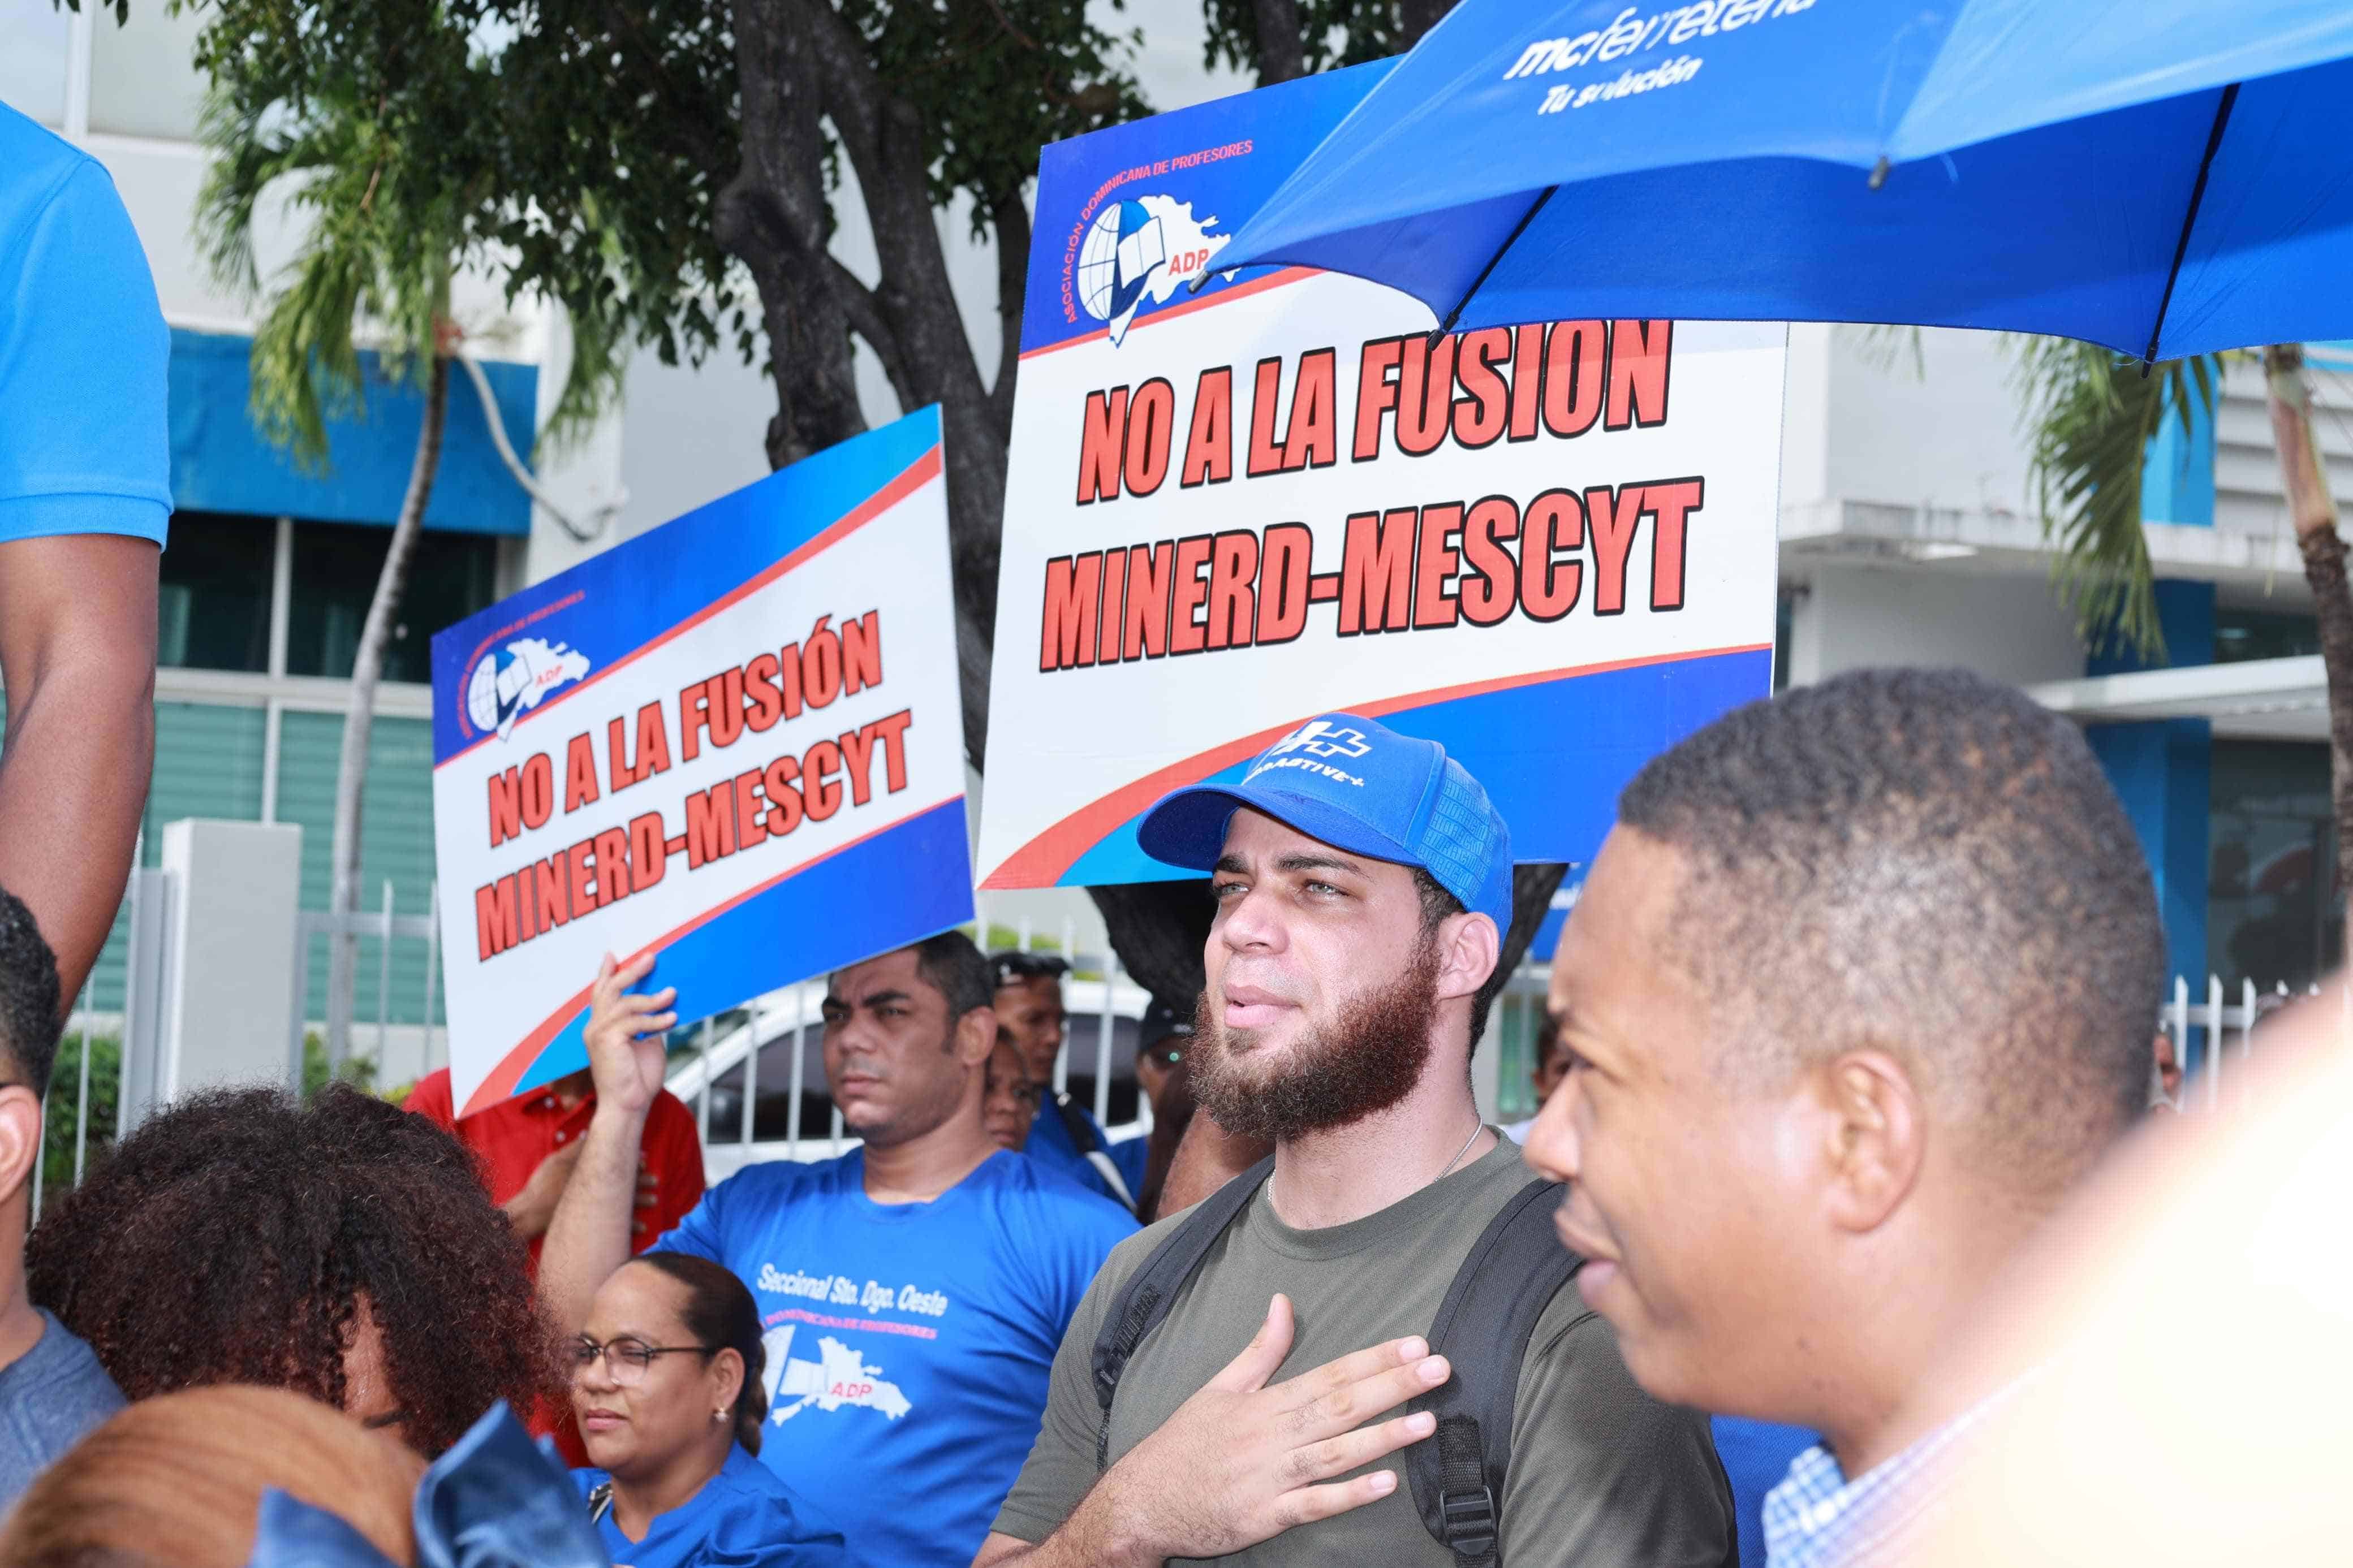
734	741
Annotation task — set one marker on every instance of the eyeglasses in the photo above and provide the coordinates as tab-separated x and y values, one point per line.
625	1359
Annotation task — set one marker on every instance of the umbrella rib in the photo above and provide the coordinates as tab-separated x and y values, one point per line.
2188	221
1480	282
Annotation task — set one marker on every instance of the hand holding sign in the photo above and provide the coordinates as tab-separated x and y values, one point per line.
623	1037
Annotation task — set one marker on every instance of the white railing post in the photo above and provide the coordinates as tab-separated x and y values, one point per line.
1105	1032
2213	1042
799	1072
82	1100
432	972
702	1101
2177	1022
41	1157
750	1071
384	984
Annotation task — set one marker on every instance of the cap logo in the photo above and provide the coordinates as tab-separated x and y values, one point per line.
1312	741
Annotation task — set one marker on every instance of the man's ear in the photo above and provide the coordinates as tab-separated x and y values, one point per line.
1875	1136
1467	947
975	1036
20	1138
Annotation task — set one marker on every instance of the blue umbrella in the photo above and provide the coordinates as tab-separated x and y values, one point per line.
2164	177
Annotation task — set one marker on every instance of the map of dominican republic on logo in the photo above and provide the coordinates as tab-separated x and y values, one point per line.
1139	252
510	680
838	1379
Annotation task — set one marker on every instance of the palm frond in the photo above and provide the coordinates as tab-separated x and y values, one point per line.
1890	348
2091	418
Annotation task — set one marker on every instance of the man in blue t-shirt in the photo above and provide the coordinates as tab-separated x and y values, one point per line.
85	488
1064	1136
52	1389
914	1290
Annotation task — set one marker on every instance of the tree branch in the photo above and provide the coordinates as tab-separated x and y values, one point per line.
773	215
1282	46
1009	215
865	313
1420	15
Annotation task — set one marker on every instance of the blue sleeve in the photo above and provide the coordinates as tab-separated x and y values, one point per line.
770	1532
1078	1232
84	356
703	1232
1131	1156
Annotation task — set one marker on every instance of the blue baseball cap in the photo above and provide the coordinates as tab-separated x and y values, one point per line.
1359	787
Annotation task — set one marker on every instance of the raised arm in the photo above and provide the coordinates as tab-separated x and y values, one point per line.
77	646
589	1236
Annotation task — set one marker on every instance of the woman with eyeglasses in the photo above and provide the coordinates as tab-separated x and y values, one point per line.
667	1386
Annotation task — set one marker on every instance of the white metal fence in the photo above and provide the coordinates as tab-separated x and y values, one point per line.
80	1081
755	1074
2209	1033
400	1053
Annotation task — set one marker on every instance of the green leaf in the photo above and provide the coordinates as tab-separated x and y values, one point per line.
2090	418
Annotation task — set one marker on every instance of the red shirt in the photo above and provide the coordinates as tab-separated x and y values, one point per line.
511	1138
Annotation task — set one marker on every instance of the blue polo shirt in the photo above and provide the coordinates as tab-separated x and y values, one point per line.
908	1345
744	1517
84	353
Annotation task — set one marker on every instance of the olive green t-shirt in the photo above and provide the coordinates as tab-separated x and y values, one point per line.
1600	1473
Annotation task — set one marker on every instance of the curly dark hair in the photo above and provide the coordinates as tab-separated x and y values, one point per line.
30	1022
232	1237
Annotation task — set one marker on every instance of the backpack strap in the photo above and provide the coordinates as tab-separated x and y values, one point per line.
1482	1328
1146	1299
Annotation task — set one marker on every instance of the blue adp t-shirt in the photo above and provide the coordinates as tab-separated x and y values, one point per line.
1051	1142
743	1517
908	1345
84	352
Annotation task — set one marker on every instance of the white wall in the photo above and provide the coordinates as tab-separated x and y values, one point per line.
1947	439
2009	627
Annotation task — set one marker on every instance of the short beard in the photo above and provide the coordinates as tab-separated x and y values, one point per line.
1370	1058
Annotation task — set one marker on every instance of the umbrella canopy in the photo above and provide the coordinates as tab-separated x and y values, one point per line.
2164	177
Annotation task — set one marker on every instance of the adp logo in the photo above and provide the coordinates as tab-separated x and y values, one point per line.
1141	251
510	680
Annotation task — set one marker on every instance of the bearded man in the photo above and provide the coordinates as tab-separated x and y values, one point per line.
1362	880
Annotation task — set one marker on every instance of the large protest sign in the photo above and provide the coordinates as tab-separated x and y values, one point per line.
1550	547
735	740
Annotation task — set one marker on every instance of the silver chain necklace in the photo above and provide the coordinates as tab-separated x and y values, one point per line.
1476	1128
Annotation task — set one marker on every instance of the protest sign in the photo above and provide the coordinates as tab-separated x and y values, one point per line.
733	740
1549	547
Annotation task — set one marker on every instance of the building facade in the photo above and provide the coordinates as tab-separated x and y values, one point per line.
1908	535
270	566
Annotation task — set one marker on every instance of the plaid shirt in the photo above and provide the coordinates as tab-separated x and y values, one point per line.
1818	1519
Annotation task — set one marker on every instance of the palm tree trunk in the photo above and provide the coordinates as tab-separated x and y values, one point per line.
367	668
2313	510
